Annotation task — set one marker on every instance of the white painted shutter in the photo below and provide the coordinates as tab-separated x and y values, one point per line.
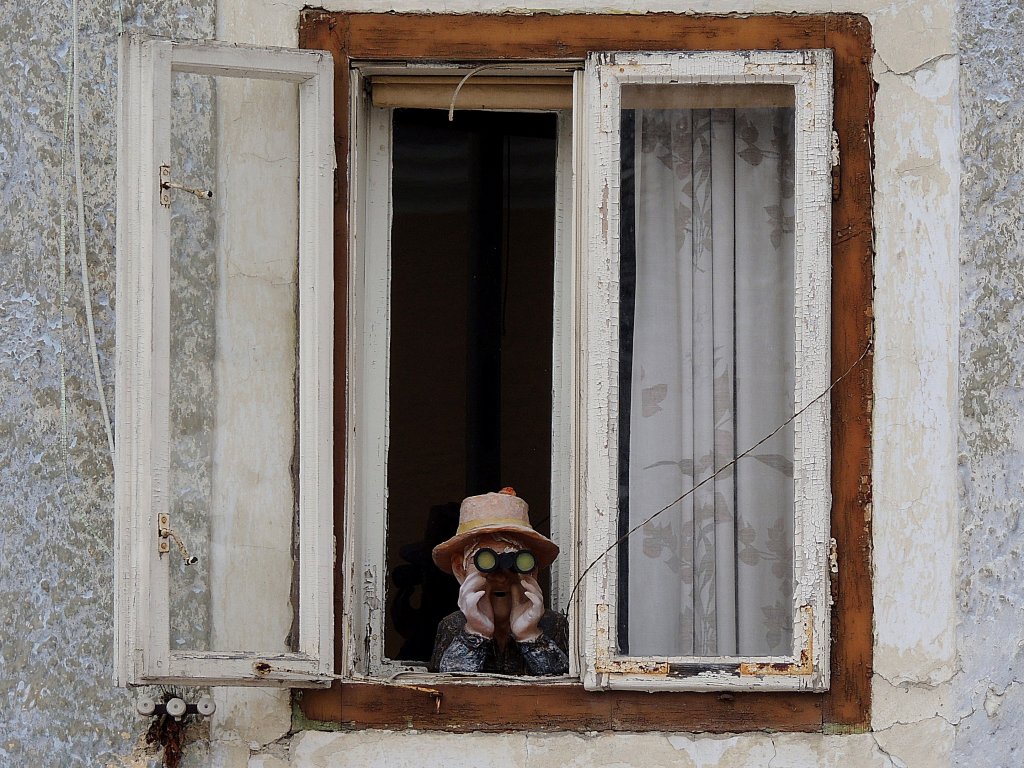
234	562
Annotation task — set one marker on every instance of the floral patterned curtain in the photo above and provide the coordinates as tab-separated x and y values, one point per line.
707	351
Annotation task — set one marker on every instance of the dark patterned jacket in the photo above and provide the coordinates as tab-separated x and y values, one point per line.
456	650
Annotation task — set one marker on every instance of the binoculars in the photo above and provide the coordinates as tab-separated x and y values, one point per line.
487	561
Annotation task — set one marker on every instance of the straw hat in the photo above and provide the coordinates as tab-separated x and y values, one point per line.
491	513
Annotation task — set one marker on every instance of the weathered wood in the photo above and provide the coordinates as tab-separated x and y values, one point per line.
570	36
547	37
329	32
557	708
143	462
848	702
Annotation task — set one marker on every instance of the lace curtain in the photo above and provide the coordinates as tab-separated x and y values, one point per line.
707	371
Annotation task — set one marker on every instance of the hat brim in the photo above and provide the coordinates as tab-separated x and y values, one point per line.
542	547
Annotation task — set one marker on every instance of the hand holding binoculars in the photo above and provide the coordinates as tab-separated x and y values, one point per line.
487	560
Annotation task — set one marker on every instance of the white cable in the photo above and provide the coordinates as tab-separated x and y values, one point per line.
471	73
80	199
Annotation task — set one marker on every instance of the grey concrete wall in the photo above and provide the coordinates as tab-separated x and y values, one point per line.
57	703
990	694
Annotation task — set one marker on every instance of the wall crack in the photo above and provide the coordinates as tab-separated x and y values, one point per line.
928	65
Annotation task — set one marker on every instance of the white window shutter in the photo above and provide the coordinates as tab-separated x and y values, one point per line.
145	652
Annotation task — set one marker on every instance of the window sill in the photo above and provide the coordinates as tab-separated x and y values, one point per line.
558	705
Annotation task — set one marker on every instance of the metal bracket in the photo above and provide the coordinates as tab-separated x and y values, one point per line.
166	534
836	178
166	185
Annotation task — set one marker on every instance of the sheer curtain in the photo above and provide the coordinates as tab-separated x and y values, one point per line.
707	360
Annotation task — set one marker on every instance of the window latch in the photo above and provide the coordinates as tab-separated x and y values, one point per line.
166	185
166	534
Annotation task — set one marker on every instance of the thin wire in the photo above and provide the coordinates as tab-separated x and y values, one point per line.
462	82
80	200
717	472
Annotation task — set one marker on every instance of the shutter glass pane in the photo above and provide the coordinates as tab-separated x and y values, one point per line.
233	363
706	370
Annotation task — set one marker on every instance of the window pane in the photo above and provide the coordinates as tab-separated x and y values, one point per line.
233	351
706	370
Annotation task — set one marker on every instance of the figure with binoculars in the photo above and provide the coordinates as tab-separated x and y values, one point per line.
502	625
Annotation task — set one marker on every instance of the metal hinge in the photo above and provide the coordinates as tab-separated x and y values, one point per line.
836	183
166	534
166	185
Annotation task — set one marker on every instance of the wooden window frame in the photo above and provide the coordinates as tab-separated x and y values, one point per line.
566	705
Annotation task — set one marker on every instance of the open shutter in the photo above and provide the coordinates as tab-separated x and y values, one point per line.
223	471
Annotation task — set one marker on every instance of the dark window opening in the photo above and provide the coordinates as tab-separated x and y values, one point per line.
472	247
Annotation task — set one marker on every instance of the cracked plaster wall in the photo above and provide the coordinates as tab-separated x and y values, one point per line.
989	692
55	536
915	509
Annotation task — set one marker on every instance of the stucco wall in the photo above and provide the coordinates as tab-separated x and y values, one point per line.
55	536
989	690
57	704
914	514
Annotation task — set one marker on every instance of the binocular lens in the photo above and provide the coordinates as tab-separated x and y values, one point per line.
525	561
487	561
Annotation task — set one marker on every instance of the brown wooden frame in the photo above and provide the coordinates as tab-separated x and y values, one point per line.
494	707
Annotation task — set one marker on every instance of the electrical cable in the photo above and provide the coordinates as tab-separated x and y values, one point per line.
80	201
717	472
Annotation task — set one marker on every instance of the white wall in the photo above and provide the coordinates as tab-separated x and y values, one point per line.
914	515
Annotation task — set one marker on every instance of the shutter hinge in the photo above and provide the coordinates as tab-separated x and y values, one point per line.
166	534
166	185
836	184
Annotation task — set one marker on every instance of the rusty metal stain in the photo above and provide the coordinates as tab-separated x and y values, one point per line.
262	668
804	667
631	667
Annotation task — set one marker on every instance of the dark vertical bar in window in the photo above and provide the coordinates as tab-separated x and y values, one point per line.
484	305
627	305
690	378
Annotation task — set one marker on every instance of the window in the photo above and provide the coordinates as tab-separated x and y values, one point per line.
223	468
361	40
717	287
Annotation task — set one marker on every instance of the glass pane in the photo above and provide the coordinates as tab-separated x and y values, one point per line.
233	352
706	370
472	255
